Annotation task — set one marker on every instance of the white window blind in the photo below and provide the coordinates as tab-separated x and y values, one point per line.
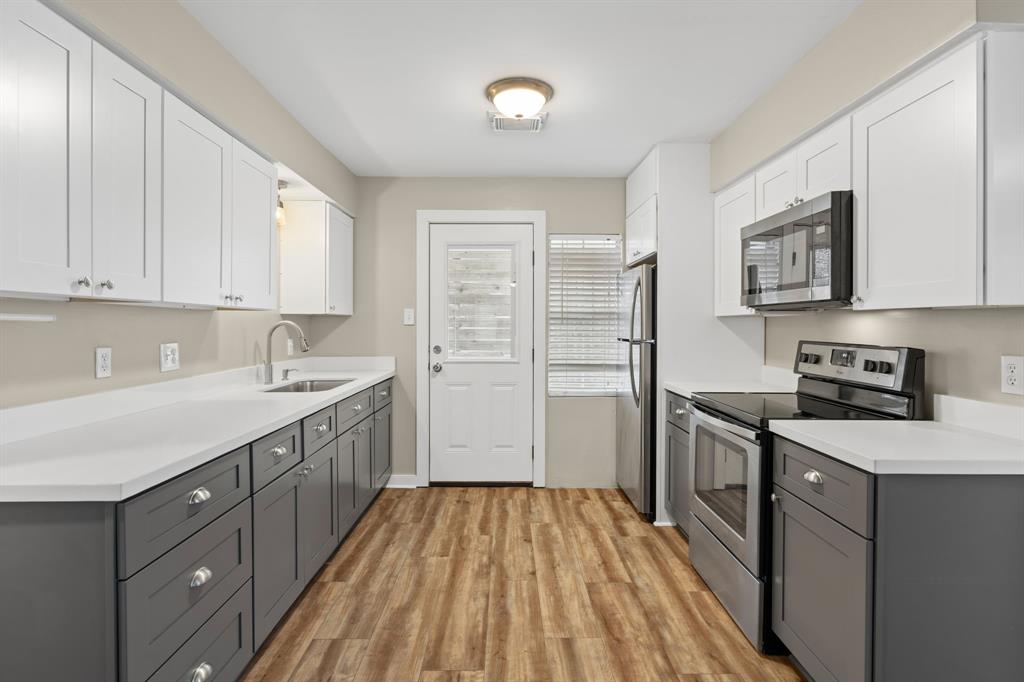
584	359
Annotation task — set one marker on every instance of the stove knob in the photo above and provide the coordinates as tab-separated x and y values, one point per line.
804	357
885	367
813	358
870	366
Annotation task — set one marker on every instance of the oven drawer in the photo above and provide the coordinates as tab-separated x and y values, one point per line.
842	492
678	411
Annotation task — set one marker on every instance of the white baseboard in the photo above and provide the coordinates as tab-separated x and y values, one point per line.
403	481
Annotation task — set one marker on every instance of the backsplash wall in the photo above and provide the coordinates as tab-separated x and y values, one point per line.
962	346
52	360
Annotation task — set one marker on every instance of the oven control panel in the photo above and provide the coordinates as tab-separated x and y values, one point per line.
881	366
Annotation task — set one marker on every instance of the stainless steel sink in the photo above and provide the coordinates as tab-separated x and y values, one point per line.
309	386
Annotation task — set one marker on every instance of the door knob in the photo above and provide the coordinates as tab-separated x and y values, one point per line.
437	367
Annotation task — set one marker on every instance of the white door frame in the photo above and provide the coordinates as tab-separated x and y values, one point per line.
538	219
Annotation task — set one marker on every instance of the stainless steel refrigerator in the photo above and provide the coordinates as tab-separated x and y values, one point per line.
634	454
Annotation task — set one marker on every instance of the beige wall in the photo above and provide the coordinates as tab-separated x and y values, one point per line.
878	40
580	437
963	346
1002	11
51	360
167	39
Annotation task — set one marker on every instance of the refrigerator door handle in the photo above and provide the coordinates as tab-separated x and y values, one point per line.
632	342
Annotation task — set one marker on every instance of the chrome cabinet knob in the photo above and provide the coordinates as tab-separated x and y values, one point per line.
228	298
199	495
84	282
332	308
320	428
201	673
239	298
357	408
775	498
812	476
279	451
107	284
680	411
378	419
437	367
383	394
200	577
798	200
789	204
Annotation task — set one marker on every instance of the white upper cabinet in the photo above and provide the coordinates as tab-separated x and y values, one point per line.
916	170
775	186
823	162
45	134
316	259
642	183
642	231
197	208
734	210
254	268
125	180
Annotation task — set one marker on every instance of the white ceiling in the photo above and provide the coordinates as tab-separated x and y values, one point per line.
395	88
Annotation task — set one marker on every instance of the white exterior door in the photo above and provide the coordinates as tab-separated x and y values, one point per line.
125	180
481	353
45	135
254	268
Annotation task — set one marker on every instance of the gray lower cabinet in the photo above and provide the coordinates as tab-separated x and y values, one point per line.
821	602
277	576
318	510
677	475
382	446
347	512
363	450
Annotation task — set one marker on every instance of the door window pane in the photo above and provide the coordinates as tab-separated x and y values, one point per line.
721	478
481	302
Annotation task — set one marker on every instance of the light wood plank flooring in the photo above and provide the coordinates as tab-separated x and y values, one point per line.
475	584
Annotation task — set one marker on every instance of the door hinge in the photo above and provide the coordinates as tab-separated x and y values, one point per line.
533	355
532	448
533	257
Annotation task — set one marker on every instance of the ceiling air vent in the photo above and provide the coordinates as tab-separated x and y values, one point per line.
508	124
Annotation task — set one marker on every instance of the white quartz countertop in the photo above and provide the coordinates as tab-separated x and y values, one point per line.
907	447
686	389
114	459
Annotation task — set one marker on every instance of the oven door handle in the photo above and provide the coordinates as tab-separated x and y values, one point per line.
735	429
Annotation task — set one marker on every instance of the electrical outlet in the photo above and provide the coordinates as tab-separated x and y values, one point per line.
170	360
1011	376
409	317
104	362
291	346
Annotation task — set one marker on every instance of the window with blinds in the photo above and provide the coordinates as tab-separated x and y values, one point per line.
583	314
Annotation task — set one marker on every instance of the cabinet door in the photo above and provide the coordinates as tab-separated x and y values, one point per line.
45	134
197	208
677	451
775	186
346	482
254	269
642	183
734	210
363	448
642	232
823	162
821	599
126	167
916	164
381	447
340	272
318	509
277	570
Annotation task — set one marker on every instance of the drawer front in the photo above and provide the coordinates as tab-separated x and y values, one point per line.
840	491
155	521
352	410
678	412
222	647
382	394
319	429
164	604
275	454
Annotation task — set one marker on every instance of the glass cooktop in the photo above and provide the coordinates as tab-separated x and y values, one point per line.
757	409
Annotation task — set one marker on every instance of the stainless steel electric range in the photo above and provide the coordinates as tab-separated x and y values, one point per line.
730	461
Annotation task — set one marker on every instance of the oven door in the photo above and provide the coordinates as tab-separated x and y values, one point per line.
725	484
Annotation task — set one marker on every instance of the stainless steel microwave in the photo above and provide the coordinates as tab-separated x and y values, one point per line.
800	258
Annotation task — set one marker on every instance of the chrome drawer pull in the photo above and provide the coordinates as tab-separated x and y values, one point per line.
199	495
279	451
812	476
775	498
200	577
201	673
383	394
357	408
680	411
320	428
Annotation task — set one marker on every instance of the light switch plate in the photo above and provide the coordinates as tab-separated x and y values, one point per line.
104	362
409	317
1011	374
169	358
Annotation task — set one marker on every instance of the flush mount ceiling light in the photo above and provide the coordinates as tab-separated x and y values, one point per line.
519	97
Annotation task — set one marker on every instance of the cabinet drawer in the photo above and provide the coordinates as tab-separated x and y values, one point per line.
319	429
678	412
840	491
155	521
382	394
165	603
351	410
223	646
275	454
